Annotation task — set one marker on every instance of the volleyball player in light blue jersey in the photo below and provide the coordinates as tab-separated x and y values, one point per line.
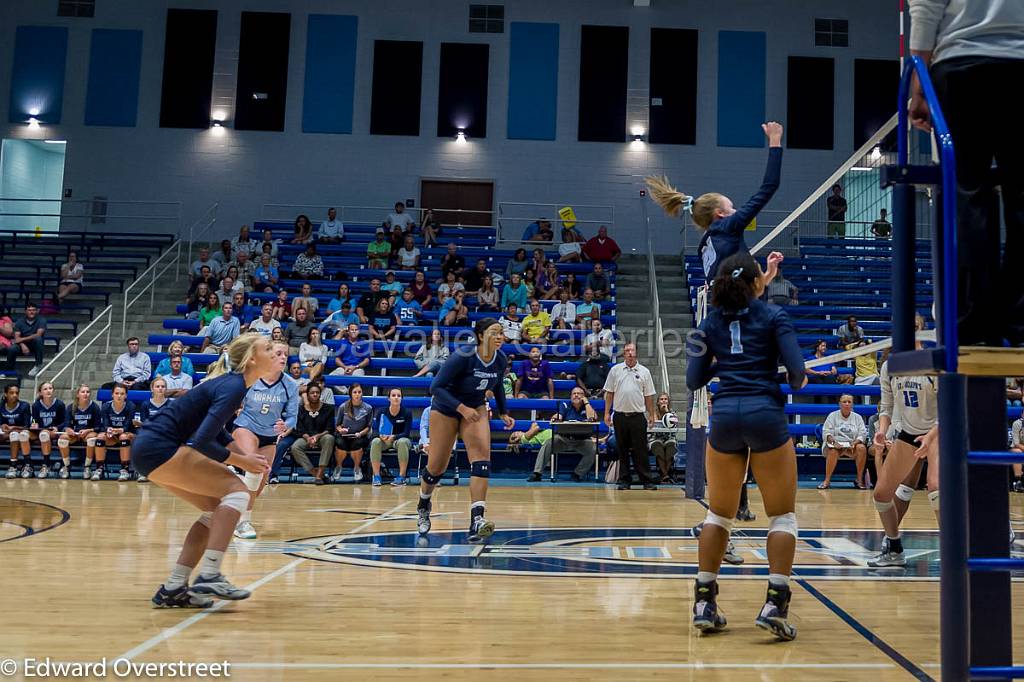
268	413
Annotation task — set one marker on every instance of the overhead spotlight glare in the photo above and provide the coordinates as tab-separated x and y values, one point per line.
34	111
460	136
33	122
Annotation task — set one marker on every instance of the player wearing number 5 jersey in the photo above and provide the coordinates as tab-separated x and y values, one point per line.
910	403
458	409
740	343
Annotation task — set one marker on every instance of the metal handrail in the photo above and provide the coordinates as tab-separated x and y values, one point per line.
74	344
341	208
176	249
656	307
210	218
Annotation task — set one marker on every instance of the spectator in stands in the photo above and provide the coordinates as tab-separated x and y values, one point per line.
282	307
391	428
431	229
308	301
1017	445
344	296
530	282
397	241
508	382
781	291
539	232
571	248
236	282
195	270
588	310
511	325
332	231
408	309
663	445
850	334
421	290
72	277
223	257
536	325
175	350
242	312
6	332
221	330
845	435
563	314
488	299
535	377
538	261
836	206
599	340
602	248
378	251
532	229
28	338
450	286
313	354
597	281
514	292
226	293
314	429
298	329
431	355
243	243
246	270
336	324
548	282
572	285
197	298
882	228
308	265
177	381
865	368
391	286
383	324
368	301
577	409
825	374
399	218
629	392
303	230
270	243
409	255
132	368
474	279
352	427
517	264
1014	391
210	311
452	262
353	355
207	276
266	277
453	312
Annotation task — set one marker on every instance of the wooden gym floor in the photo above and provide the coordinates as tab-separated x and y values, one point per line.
580	583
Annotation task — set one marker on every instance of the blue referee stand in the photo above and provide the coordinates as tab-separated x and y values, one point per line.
975	601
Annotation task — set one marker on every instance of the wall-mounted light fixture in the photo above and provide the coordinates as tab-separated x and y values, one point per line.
460	136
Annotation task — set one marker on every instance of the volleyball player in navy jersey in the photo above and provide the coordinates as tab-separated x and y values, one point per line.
185	449
15	419
48	417
148	408
740	343
84	422
458	408
118	430
269	412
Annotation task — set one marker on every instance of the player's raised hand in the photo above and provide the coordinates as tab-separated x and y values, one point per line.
773	131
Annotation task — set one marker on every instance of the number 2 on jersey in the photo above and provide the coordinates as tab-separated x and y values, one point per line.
910	398
482	386
734	333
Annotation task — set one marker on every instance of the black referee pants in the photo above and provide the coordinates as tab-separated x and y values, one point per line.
631	441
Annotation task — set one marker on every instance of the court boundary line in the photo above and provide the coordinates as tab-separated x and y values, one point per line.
168	633
30	531
668	665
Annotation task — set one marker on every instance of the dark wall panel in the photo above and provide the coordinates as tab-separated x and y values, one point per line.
604	63
329	89
189	47
810	103
875	85
674	85
462	89
115	62
262	71
37	75
532	81
742	65
397	86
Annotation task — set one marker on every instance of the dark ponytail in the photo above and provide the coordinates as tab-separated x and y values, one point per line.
734	285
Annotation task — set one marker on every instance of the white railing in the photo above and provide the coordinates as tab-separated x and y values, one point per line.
659	331
515	216
203	224
77	346
87	215
373	215
147	280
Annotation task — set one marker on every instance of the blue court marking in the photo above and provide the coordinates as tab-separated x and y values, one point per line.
27	529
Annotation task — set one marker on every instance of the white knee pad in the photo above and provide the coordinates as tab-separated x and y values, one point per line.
720	521
904	492
63	443
14	436
783	523
238	501
883	507
90	442
933	499
205	518
25	436
44	436
252	481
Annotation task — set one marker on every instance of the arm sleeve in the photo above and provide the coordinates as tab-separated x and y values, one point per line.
886	390
208	439
118	372
448	373
499	399
699	370
407	424
862	430
291	408
829	427
792	358
739	220
147	366
925	16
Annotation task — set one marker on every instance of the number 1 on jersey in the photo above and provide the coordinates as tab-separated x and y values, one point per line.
734	332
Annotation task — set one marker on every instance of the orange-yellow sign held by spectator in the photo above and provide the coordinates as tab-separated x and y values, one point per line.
752	226
568	216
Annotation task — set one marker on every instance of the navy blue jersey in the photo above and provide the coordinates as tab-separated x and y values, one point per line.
112	419
52	417
464	379
19	415
266	403
89	418
198	418
148	410
724	237
747	346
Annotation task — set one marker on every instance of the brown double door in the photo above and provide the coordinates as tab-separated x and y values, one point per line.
459	202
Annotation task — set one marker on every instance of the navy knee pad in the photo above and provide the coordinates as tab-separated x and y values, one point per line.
429	478
480	469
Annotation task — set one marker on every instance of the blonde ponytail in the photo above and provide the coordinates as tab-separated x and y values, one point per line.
671	200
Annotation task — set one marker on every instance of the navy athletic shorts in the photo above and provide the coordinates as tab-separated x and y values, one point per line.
757	423
909	438
150	450
454	414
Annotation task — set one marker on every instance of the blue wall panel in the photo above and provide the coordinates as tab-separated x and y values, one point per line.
532	81
741	88
330	73
115	60
37	77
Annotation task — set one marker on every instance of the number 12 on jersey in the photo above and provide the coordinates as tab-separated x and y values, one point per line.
910	398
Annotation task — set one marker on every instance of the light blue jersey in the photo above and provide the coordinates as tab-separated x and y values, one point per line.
265	403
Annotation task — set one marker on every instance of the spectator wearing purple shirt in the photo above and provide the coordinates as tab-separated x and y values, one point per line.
535	380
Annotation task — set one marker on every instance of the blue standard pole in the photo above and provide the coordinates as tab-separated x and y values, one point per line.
904	241
954	599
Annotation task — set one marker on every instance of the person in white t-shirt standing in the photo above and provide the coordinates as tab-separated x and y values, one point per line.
629	391
332	230
845	435
400	218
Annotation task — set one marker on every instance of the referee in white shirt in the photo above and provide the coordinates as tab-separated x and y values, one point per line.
629	390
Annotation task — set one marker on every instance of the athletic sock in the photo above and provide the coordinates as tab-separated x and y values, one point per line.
88	461
179	577
778	580
895	544
705	577
426	496
476	510
245	516
67	461
209	567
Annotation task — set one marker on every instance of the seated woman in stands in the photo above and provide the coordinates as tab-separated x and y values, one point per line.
269	245
282	307
518	264
72	276
573	286
431	355
353	426
571	248
383	323
454	312
530	282
84	422
176	349
196	299
431	228
488	298
210	311
421	290
303	233
313	353
547	283
450	286
825	374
